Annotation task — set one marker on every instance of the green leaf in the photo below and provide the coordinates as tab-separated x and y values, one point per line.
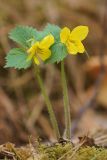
54	30
17	58
22	34
49	29
41	35
59	52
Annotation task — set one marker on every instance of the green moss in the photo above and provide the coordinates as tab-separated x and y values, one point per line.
54	152
57	151
68	152
91	153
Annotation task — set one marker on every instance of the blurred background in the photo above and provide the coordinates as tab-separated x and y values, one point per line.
22	107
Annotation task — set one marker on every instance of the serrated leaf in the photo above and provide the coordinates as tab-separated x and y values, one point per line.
41	35
22	34
54	30
17	58
59	52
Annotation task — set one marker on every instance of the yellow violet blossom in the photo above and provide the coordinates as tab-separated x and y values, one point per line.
73	39
40	49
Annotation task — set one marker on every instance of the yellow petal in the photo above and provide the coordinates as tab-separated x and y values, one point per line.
44	54
30	56
31	51
36	60
46	42
72	48
64	34
79	33
80	47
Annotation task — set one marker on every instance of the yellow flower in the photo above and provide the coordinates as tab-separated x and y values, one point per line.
72	39
40	49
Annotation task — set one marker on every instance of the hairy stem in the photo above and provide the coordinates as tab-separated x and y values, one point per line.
66	102
48	103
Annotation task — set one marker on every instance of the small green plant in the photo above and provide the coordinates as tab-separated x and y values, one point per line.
51	45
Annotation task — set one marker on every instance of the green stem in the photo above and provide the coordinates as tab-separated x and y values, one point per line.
48	103
66	102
